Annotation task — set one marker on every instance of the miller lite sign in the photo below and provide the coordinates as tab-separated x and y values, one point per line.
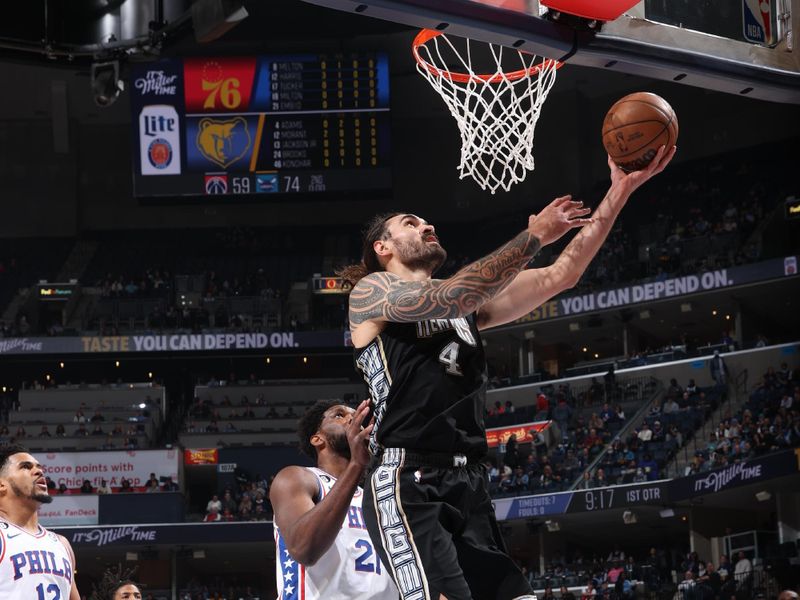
159	140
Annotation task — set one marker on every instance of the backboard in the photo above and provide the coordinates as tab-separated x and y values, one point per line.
742	47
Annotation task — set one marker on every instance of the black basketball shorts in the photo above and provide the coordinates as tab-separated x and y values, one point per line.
435	531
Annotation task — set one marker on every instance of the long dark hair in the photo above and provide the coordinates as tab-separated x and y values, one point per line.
113	579
374	230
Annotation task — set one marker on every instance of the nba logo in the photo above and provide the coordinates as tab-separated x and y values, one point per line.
216	184
790	265
159	140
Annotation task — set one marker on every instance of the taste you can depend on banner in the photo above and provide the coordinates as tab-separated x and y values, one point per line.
71	468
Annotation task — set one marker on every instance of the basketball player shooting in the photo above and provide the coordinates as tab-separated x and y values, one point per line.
323	548
417	340
35	564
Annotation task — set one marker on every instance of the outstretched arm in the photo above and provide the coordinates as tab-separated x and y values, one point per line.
383	296
310	528
533	287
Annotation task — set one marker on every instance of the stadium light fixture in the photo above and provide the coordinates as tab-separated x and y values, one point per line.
629	517
552	526
106	84
763	496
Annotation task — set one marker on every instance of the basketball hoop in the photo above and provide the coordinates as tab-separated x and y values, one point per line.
496	112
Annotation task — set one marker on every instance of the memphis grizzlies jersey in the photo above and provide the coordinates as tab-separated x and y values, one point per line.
33	567
427	381
349	570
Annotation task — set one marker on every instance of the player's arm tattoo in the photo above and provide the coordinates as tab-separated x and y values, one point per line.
385	296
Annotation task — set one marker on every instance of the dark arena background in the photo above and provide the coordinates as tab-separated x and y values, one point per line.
179	182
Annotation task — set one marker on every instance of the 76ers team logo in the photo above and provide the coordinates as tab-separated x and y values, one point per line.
159	153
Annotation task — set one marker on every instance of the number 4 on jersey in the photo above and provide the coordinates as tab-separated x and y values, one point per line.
449	357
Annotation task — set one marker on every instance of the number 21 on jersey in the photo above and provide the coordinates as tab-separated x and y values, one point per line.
364	562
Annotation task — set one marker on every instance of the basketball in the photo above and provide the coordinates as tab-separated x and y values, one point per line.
635	127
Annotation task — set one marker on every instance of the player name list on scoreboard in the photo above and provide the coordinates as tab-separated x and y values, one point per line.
260	125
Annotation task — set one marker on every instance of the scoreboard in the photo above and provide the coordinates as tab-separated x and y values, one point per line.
246	126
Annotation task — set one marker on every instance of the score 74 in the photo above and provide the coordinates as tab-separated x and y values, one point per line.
291	183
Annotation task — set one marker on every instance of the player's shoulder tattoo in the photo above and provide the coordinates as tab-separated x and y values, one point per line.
368	296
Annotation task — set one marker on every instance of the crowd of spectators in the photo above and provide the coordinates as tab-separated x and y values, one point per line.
585	426
684	576
246	500
124	485
769	421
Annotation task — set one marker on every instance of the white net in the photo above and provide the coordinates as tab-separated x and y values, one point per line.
496	111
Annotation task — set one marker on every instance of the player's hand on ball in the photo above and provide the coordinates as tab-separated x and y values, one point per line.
634	179
557	218
357	436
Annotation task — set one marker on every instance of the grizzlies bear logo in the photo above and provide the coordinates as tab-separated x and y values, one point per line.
223	142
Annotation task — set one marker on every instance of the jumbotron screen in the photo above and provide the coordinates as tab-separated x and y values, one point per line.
256	126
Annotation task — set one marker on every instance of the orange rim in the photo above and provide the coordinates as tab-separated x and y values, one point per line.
426	35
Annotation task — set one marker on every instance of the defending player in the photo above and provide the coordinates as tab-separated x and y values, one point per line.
322	545
418	346
35	564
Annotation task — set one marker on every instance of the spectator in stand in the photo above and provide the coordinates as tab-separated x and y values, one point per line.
81	431
20	433
649	466
670	406
61	431
79	417
125	485
98	430
152	485
104	487
719	370
272	413
212	515
589	592
97	417
245	508
519	482
645	434
86	487
214	503
542	406
511	457
687	587
229	503
169	485
562	415
674	389
710	583
691	387
743	572
658	432
44	432
62	488
623	588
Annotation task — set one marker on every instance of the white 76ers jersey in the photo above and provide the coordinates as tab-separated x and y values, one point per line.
33	567
349	570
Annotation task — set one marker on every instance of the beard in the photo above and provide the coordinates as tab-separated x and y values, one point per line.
421	255
41	497
340	445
